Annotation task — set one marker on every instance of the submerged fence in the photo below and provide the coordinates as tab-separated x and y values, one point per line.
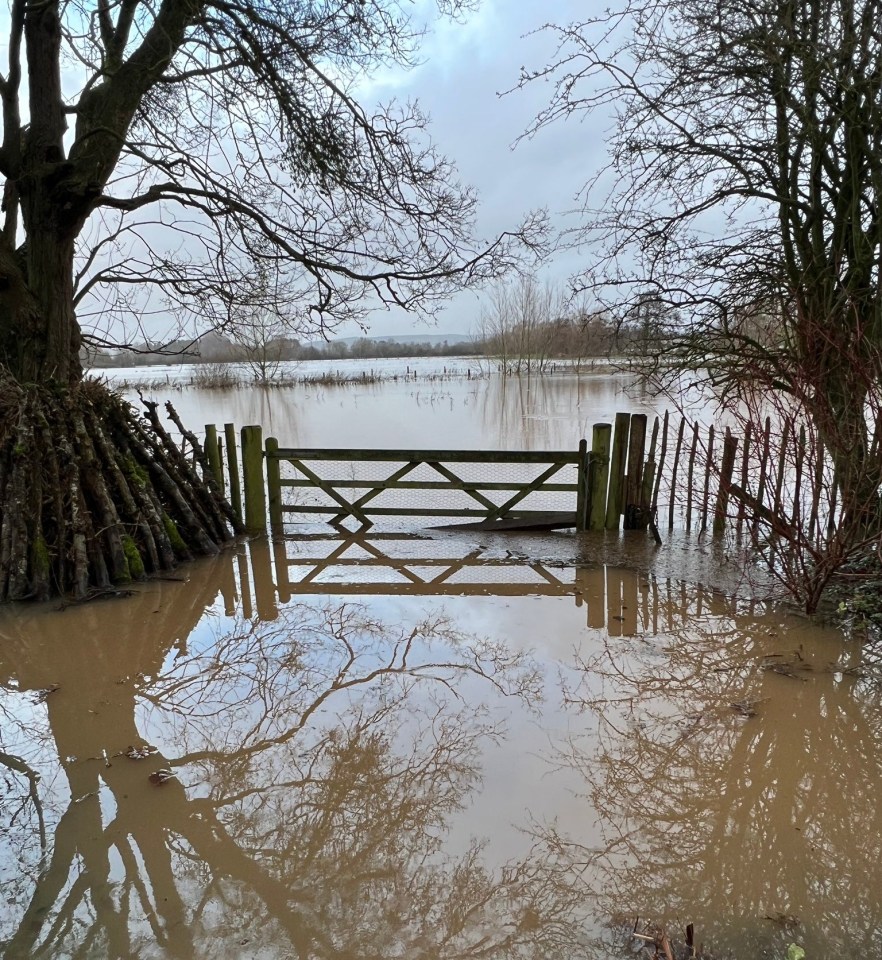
678	474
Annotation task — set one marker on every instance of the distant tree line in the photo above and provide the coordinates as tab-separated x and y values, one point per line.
219	349
524	328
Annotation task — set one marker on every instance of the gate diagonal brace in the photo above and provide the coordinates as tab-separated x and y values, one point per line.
358	504
499	512
349	508
470	489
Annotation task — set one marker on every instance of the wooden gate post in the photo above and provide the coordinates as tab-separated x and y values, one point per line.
212	453
634	483
601	439
274	486
582	501
233	468
252	476
615	498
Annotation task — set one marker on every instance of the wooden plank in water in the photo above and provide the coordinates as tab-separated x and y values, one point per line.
797	480
233	469
582	491
274	488
346	454
551	521
782	461
252	479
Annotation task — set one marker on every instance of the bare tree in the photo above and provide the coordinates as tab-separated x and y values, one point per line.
518	324
178	148
743	191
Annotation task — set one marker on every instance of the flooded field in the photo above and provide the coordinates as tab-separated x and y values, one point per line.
436	744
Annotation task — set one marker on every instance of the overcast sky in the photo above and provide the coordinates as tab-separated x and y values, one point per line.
465	66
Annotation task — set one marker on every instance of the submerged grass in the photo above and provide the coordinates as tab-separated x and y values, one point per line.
228	379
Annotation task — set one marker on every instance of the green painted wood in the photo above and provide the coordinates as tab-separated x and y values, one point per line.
601	441
252	477
727	468
582	487
212	454
615	500
233	470
274	487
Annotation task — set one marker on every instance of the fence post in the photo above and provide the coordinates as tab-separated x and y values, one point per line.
582	487
252	476
616	494
634	484
233	469
274	486
599	475
730	452
213	454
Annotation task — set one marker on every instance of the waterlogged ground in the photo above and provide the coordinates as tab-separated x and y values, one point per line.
437	745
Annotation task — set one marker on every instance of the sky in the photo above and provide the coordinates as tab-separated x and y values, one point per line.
464	68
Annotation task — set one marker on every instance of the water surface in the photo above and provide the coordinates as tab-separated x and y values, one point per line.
436	744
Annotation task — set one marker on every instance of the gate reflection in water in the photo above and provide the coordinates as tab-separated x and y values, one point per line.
623	601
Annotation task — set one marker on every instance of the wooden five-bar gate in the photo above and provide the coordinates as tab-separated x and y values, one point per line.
684	473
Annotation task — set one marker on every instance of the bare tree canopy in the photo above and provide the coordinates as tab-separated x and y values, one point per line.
160	157
184	145
742	188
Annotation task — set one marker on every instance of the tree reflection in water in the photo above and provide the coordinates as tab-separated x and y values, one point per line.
735	770
321	758
317	756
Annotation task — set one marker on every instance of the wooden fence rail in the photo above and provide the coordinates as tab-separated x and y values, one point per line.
694	476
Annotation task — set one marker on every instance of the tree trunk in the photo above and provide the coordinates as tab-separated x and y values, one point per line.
54	352
91	494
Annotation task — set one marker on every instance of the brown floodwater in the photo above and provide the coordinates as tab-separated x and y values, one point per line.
437	744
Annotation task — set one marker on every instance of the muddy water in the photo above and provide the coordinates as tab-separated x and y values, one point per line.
506	747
